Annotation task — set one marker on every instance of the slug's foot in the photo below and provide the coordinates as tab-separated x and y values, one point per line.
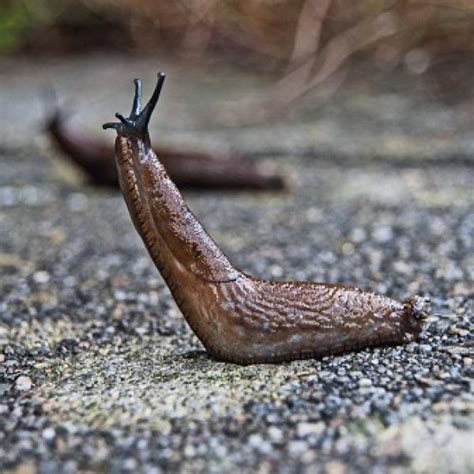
136	125
417	310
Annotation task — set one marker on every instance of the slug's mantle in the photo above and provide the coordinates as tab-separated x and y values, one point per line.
239	318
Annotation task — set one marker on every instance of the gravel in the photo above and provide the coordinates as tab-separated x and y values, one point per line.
99	371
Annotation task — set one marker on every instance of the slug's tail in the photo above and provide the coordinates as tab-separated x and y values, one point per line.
137	123
417	310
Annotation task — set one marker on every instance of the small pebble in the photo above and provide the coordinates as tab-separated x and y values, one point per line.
41	277
48	434
382	233
305	429
364	382
23	383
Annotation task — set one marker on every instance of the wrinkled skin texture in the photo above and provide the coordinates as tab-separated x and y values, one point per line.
238	318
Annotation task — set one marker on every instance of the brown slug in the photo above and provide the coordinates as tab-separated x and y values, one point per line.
239	318
188	169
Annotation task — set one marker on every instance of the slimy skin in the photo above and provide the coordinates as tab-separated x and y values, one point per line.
239	318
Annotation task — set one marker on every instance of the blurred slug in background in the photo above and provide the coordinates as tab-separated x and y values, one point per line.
239	318
188	169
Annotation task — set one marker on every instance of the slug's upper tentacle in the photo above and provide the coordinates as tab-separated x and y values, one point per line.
239	318
137	100
137	123
145	115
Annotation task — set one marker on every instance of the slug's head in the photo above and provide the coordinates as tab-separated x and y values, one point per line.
136	125
416	311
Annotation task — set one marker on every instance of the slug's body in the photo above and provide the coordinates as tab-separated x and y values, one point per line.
238	318
196	169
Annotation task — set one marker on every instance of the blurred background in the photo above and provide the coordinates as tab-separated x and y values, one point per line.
367	107
254	63
335	70
304	51
272	35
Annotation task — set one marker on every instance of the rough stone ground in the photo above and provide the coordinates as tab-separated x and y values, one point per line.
98	370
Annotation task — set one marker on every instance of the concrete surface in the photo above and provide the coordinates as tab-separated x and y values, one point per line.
99	371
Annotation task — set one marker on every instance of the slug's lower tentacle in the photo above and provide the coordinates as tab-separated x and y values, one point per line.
239	318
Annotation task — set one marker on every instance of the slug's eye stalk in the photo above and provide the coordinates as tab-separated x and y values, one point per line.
137	124
137	100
